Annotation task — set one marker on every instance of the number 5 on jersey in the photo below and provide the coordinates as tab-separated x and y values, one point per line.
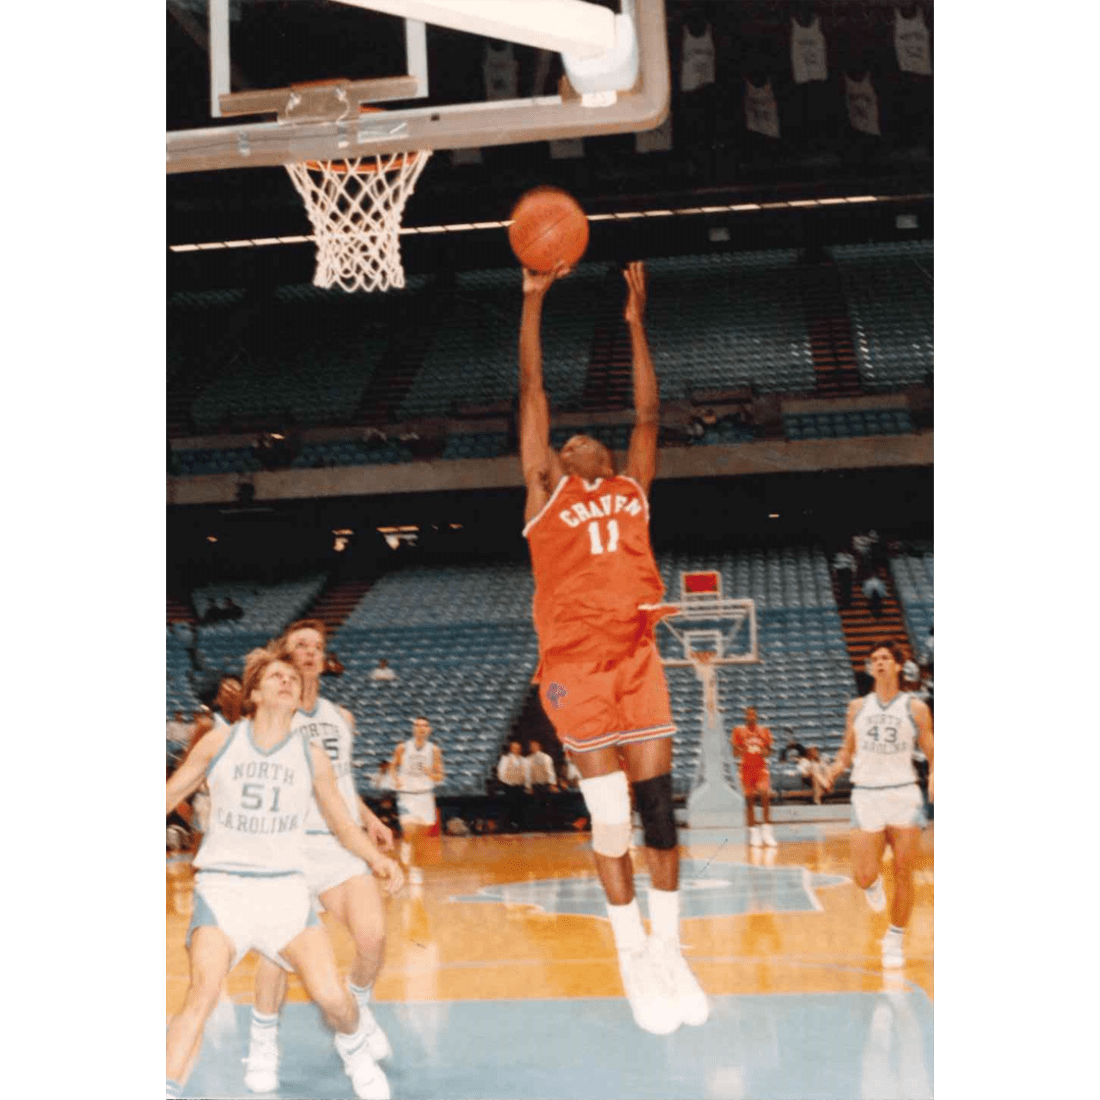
597	543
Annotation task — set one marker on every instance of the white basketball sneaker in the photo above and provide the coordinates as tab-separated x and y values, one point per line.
261	1072
377	1043
687	994
367	1078
767	835
876	895
893	954
754	836
647	993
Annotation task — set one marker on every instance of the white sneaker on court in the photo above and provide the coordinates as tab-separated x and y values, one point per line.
754	836
647	992
377	1043
893	954
367	1078
261	1072
876	895
767	835
687	994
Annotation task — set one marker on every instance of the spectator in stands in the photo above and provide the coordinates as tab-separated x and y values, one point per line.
844	566
383	673
874	591
541	781
929	650
910	675
814	772
333	665
232	610
512	774
792	750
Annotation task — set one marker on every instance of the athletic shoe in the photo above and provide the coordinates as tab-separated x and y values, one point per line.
367	1079
876	895
647	992
377	1043
262	1067
768	835
687	994
416	876
893	956
754	836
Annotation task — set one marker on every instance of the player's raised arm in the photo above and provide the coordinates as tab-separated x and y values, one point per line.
541	466
188	777
641	459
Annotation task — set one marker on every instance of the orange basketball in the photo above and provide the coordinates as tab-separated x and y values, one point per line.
548	227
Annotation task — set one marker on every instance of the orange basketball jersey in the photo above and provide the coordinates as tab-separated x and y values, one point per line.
595	576
754	746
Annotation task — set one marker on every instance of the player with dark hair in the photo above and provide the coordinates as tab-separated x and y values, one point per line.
598	596
883	728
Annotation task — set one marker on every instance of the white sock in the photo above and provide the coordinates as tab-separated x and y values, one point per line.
361	993
406	852
626	925
664	914
347	1045
264	1028
874	885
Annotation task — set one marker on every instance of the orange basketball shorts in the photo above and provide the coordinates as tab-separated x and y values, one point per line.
754	776
595	704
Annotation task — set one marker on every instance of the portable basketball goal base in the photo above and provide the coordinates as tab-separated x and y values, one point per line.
355	164
711	630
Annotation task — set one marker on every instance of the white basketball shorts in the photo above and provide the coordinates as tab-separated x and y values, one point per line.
254	911
328	863
873	808
416	807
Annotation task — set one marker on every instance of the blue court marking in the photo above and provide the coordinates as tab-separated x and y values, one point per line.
707	889
801	1046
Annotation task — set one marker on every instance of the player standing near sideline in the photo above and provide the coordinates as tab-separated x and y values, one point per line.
597	600
417	768
882	729
337	880
751	745
250	889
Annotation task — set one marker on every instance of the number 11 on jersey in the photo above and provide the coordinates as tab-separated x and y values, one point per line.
612	536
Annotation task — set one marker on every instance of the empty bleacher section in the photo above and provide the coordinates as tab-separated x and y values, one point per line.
222	646
307	356
180	695
854	422
725	320
472	357
461	643
889	288
914	580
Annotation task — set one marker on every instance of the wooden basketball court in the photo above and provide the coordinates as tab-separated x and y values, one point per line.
507	928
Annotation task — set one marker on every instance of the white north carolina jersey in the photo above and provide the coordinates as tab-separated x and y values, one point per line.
258	805
416	767
325	727
885	739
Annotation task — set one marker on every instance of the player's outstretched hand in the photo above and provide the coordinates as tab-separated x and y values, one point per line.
389	871
538	282
634	274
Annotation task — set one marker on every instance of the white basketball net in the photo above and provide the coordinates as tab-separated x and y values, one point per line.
355	208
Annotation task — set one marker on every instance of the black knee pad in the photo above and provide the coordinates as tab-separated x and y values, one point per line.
653	797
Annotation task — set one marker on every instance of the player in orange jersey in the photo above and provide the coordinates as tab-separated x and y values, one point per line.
598	597
751	745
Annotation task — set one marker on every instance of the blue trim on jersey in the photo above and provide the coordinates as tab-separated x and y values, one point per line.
307	746
228	741
316	708
275	748
888	787
893	699
244	874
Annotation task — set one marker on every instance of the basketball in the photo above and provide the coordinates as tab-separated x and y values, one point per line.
548	227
